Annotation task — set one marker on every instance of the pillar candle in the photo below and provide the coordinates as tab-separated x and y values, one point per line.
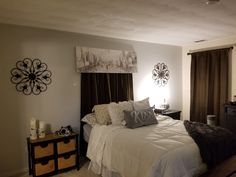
33	124
42	125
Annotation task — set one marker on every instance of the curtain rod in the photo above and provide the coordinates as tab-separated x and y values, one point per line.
231	46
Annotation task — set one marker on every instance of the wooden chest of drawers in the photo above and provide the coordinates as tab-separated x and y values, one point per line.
52	154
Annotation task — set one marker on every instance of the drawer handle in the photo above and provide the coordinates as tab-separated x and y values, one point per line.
66	156
45	162
44	145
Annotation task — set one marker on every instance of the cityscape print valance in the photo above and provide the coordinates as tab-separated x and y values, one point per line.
96	60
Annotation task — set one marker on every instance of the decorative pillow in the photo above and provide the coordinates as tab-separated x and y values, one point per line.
102	114
139	105
116	111
138	118
90	119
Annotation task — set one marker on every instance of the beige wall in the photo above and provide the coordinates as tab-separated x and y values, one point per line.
60	104
186	62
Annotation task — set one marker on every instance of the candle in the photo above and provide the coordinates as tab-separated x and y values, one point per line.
42	125
41	129
33	124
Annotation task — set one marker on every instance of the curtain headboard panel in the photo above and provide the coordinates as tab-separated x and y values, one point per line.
101	88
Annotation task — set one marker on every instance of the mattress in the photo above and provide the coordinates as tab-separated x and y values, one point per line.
87	130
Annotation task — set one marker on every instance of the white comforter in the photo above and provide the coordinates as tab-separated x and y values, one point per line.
162	150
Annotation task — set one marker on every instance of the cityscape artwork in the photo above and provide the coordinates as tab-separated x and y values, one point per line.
96	60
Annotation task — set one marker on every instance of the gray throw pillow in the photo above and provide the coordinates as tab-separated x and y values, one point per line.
139	105
138	118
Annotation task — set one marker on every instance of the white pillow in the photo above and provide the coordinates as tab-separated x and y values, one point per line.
139	105
90	119
116	111
102	114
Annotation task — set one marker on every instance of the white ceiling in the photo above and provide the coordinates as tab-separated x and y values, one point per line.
176	22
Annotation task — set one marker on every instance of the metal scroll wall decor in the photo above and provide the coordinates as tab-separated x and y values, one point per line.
160	74
31	76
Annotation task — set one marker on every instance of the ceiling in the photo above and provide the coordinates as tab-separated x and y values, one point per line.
175	22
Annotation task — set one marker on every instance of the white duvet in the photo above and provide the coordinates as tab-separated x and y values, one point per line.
162	150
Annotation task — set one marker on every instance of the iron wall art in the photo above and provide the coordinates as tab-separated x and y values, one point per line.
31	76
160	74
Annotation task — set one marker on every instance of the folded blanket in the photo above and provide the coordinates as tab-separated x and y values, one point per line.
215	143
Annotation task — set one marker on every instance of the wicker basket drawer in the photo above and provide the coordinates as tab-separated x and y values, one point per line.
43	150
66	146
66	161
44	167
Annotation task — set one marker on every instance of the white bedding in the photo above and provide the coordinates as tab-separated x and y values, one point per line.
162	150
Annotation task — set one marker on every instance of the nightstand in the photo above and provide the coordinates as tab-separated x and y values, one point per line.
172	113
52	154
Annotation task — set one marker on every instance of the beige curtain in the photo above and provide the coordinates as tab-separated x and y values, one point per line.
209	84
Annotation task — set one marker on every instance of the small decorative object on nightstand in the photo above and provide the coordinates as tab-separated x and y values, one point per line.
53	154
172	113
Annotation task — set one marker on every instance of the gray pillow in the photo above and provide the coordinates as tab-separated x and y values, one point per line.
138	118
139	105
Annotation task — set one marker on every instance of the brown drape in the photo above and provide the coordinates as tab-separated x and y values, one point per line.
209	84
100	88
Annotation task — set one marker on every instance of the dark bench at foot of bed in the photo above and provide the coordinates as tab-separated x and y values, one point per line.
224	169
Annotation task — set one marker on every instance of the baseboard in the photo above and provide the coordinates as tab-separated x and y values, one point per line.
15	173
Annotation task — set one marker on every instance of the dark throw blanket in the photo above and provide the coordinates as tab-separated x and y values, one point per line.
215	143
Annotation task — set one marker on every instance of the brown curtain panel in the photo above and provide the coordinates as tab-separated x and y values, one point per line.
101	88
209	84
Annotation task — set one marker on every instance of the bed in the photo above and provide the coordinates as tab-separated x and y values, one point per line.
161	150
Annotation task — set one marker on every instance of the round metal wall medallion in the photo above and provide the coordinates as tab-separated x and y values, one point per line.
31	76
160	74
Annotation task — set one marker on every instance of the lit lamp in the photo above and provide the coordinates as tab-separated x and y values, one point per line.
165	105
162	108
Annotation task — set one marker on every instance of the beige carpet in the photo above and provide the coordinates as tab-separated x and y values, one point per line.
82	172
